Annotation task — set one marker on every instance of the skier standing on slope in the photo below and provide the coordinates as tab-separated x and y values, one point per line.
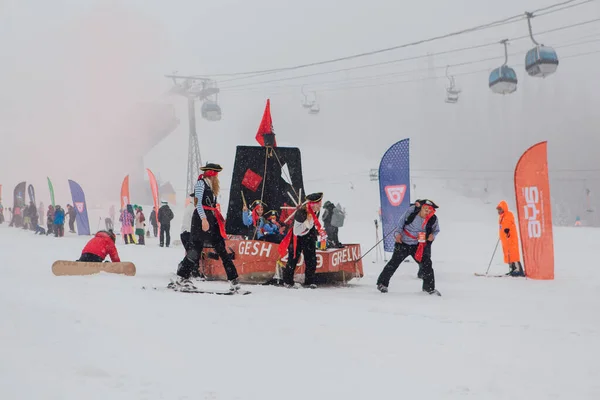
101	245
303	238
207	225
416	232
510	239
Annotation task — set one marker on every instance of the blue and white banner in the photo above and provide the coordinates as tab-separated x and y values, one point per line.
83	223
31	192
394	189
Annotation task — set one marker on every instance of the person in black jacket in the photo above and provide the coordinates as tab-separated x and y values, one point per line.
72	214
332	231
208	225
154	222
303	238
165	216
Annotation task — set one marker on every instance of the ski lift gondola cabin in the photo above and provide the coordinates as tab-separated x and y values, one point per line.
503	80
211	111
541	61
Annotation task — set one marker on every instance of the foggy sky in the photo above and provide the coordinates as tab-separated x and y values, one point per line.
70	66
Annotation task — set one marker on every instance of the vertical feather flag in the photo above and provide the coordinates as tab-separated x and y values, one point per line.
51	192
125	199
532	188
394	189
154	188
83	223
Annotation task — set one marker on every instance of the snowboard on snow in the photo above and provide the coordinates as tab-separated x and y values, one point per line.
64	267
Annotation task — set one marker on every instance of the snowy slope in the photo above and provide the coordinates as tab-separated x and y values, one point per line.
101	337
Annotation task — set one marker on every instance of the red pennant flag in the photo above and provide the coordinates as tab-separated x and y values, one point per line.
266	126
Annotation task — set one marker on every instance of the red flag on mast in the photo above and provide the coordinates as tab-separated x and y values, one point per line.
266	128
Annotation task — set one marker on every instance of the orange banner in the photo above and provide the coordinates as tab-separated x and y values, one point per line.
125	199
532	189
154	189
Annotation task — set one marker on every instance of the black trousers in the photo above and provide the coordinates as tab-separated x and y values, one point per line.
89	257
59	230
165	235
332	234
401	251
72	224
191	260
155	230
185	240
307	246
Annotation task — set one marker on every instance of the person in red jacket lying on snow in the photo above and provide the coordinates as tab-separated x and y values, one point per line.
99	247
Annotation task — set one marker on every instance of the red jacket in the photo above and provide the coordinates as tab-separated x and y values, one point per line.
102	245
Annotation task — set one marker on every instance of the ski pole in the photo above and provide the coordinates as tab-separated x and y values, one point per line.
376	244
496	248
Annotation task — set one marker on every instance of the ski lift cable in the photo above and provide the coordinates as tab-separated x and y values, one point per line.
493	24
401	73
540	11
475	72
486	70
456	50
407	72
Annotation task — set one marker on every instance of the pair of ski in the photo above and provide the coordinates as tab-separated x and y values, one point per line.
187	289
492	276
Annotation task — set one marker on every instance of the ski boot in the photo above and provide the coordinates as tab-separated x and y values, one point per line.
292	286
516	269
234	285
382	288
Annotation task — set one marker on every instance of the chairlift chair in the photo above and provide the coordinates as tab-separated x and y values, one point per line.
306	103
452	91
314	108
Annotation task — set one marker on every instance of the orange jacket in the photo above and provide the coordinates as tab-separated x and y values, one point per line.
508	234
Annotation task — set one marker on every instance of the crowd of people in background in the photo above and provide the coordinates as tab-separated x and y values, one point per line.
261	225
133	224
32	218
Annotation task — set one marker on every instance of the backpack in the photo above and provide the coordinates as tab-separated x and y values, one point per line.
337	217
411	217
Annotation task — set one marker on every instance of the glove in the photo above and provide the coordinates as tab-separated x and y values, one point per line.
507	231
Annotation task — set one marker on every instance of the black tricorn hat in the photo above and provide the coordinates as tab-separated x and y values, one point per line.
428	202
271	213
315	197
256	203
211	167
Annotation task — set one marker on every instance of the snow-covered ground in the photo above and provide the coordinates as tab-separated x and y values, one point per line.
103	337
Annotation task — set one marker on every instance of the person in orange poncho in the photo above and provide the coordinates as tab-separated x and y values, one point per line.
510	239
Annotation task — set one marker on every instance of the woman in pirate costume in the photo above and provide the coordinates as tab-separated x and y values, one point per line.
303	238
207	225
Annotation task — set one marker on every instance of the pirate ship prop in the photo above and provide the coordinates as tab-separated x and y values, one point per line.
272	175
